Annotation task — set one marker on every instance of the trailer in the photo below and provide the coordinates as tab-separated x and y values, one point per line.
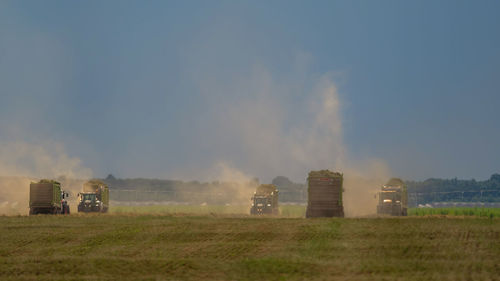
324	190
47	197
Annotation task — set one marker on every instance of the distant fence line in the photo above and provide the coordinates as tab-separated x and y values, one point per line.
415	198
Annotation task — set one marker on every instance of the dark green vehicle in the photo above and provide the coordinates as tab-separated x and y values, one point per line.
393	198
94	198
265	200
47	197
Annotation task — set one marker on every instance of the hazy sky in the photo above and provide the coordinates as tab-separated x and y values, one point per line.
169	89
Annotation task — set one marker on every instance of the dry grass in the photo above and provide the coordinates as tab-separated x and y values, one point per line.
210	247
457	211
286	211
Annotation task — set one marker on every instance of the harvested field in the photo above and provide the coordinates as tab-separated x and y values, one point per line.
222	247
456	211
287	211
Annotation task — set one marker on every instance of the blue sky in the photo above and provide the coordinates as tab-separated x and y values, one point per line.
140	88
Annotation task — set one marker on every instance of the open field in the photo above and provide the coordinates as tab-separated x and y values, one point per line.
288	211
222	247
471	212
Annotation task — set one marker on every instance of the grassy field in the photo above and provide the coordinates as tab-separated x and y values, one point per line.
222	247
288	211
474	212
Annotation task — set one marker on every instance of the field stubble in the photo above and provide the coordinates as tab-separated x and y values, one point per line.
225	247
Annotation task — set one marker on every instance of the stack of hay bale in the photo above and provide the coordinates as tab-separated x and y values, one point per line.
324	194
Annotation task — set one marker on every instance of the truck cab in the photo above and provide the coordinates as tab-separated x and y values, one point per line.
265	200
94	197
393	199
262	204
88	202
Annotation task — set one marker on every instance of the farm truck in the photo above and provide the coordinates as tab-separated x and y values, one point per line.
265	200
94	197
47	197
393	198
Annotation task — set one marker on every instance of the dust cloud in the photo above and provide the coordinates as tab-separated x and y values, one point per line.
267	126
14	195
361	186
22	162
226	185
257	125
240	186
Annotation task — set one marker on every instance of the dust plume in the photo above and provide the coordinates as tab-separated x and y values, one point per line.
224	185
241	186
14	195
361	185
287	124
22	162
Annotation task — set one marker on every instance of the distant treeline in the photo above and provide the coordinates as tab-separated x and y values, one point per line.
420	192
215	192
455	190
